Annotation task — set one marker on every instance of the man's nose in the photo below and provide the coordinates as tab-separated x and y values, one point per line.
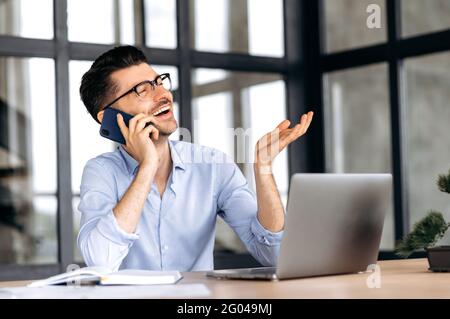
159	90
160	93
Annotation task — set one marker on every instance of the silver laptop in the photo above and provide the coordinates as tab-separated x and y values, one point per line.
333	226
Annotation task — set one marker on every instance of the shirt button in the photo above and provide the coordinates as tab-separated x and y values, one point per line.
165	247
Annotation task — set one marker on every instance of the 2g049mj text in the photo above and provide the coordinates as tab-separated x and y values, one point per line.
234	308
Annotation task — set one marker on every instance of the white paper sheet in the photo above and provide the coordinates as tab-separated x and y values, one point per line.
110	292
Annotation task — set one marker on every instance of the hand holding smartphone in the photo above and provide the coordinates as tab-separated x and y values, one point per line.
109	127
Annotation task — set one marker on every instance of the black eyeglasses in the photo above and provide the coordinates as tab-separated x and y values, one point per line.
143	89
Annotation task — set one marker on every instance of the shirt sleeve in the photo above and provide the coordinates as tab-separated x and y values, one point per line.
237	205
101	240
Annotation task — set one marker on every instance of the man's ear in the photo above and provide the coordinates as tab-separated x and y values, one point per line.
100	116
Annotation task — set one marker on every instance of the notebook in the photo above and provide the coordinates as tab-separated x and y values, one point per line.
104	276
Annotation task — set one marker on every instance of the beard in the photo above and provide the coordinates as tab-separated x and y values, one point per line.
166	129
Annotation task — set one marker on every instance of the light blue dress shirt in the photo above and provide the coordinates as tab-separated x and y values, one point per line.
175	232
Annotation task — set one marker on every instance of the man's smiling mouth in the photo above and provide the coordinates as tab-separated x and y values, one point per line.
161	111
163	107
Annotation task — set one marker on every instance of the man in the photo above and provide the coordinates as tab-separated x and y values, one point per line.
147	205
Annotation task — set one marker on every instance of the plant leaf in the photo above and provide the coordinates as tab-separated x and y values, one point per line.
443	183
425	233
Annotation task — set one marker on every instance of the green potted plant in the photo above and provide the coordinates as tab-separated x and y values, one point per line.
427	232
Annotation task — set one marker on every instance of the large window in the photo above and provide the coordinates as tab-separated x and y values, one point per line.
239	26
113	25
428	144
421	17
358	129
231	111
221	75
345	24
385	93
19	18
160	24
28	202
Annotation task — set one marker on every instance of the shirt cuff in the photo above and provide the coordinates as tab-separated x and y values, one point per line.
108	227
265	236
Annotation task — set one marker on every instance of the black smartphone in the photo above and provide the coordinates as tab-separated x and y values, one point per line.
110	128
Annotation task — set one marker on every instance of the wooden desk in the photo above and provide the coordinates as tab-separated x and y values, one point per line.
399	279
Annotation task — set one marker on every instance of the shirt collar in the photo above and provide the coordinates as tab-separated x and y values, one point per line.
176	158
132	164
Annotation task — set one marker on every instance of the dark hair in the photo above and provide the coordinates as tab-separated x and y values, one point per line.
96	85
